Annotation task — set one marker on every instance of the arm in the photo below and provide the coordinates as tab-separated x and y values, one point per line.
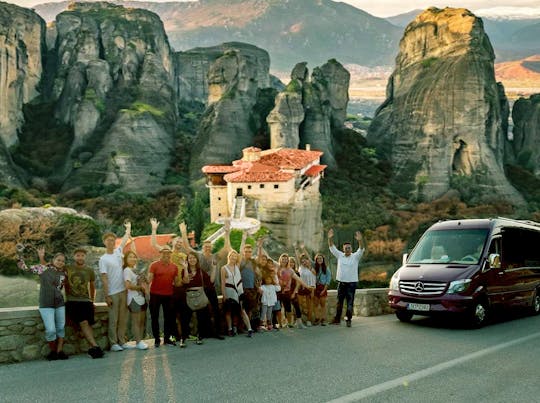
227	247
105	283
127	235
132	245
223	279
359	239
330	237
242	246
153	237
183	233
213	273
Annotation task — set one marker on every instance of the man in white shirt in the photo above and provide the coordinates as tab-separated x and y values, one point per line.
114	288
347	274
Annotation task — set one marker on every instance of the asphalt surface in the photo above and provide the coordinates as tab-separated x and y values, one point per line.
378	359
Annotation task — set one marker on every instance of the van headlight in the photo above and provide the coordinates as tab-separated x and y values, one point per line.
394	282
458	286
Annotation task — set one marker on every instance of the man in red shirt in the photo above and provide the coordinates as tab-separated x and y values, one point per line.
161	276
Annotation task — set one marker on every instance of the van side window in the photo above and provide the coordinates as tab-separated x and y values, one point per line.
520	248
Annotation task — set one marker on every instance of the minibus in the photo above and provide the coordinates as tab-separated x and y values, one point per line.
471	268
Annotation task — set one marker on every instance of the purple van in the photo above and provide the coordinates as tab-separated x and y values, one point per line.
470	267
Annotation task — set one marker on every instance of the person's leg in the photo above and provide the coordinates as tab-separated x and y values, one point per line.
88	333
341	291
215	314
136	326
47	315
154	316
168	317
322	311
113	322
351	290
123	315
60	329
86	320
186	315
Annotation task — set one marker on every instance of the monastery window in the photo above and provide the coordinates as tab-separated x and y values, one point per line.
276	186
219	198
261	185
249	186
219	214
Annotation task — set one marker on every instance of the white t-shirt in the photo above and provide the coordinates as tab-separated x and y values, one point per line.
111	265
269	296
347	266
307	276
130	276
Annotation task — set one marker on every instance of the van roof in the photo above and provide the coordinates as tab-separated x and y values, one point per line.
488	223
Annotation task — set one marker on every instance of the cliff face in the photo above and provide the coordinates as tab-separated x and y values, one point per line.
114	85
309	109
237	81
526	117
443	116
21	66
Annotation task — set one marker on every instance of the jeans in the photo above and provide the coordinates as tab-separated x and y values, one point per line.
345	290
169	318
54	320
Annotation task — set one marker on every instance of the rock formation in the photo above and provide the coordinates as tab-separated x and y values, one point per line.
308	110
114	85
237	80
526	117
443	118
21	52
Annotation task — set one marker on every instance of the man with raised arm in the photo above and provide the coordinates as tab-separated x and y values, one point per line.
347	274
114	288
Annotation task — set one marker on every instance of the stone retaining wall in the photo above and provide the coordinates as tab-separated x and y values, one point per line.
22	331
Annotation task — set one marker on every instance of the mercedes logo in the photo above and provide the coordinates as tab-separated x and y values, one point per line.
419	287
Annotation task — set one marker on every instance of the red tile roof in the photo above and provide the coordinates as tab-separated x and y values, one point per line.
248	176
269	167
219	169
315	170
290	158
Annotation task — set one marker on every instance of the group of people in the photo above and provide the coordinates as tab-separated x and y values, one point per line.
256	290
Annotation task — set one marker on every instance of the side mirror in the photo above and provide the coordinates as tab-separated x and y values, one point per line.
404	259
495	261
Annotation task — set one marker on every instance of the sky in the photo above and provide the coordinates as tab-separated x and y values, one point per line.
386	8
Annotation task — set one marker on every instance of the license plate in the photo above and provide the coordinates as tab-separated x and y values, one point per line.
418	307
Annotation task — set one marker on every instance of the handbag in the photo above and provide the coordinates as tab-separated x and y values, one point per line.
196	298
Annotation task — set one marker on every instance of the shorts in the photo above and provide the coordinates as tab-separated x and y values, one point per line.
304	291
80	311
231	306
135	308
319	291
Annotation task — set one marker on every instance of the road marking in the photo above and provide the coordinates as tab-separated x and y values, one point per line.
415	376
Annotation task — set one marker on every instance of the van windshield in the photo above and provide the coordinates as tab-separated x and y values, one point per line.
458	246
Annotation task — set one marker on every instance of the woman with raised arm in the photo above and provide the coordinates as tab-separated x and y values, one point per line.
137	288
194	276
52	277
233	294
323	276
307	274
290	283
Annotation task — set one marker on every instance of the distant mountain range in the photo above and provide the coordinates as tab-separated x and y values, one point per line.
312	30
291	31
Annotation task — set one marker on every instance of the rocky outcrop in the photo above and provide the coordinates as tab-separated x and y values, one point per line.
21	65
237	81
309	109
442	118
114	85
526	117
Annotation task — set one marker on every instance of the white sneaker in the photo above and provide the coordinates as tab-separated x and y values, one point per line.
127	346
299	324
308	323
116	347
142	345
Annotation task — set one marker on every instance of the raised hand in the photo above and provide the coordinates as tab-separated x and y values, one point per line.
331	233
227	225
358	236
183	228
41	253
154	223
127	226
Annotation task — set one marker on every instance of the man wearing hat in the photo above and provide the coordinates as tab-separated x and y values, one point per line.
161	276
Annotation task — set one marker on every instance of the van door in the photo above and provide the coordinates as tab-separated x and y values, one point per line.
495	278
513	265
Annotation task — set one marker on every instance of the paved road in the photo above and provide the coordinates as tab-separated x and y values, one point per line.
379	360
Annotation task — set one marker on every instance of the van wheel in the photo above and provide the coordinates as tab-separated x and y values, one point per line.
404	316
535	307
478	315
